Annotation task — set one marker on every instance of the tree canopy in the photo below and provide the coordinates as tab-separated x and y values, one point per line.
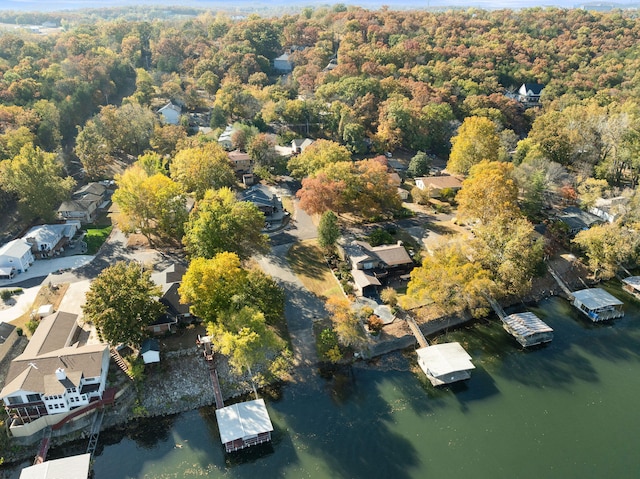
202	168
477	140
122	302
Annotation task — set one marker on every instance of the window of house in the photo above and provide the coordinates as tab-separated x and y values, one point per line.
56	406
33	397
14	400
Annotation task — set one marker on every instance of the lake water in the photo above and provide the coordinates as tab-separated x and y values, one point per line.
565	410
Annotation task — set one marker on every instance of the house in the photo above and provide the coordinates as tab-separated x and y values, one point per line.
527	328
8	337
445	363
169	281
244	424
71	467
50	240
609	209
263	198
85	203
298	145
369	264
240	162
150	351
435	184
578	220
55	375
170	114
597	304
394	179
403	194
529	94
15	257
283	63
224	140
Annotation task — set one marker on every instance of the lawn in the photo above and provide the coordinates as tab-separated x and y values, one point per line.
96	235
307	261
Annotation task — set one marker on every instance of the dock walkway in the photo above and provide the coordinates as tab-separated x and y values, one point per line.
415	329
564	286
44	447
216	385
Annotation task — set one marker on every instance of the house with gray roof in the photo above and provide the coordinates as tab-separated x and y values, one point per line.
15	257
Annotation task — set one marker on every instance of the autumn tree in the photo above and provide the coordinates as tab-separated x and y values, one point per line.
321	193
122	303
219	222
199	169
153	205
316	156
345	322
328	230
93	151
607	247
166	138
261	150
489	193
452	281
34	176
477	140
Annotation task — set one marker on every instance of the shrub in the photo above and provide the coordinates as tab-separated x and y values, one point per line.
366	311
19	331
328	348
380	236
420	196
32	326
374	323
389	296
5	294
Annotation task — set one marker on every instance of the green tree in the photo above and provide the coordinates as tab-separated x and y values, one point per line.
35	177
153	205
93	151
419	165
199	169
607	247
220	223
477	140
121	303
316	156
261	150
345	322
328	230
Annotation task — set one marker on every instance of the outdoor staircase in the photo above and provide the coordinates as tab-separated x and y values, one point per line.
115	355
95	432
44	447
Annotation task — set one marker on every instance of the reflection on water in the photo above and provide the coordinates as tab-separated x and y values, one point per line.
566	409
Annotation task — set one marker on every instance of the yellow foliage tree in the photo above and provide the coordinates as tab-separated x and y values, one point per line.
477	140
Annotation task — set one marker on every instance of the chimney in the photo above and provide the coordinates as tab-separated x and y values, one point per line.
60	374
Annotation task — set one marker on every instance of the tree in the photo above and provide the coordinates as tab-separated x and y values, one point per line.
244	336
489	193
121	303
35	177
590	190
452	281
153	205
321	193
166	138
93	151
261	150
220	223
419	165
345	322
328	230
607	247
201	168
477	140
316	156
152	163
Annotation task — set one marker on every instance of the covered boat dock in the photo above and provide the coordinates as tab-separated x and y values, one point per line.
244	424
445	363
632	285
527	328
597	304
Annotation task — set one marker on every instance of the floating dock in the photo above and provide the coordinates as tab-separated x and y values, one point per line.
597	304
527	328
445	363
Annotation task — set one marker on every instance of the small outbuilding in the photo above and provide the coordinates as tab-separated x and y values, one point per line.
598	304
632	285
244	424
445	363
72	467
528	329
150	351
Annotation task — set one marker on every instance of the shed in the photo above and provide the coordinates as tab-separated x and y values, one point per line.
150	351
632	285
44	310
244	424
528	329
72	467
598	304
445	363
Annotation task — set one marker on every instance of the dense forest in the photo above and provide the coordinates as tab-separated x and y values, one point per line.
366	81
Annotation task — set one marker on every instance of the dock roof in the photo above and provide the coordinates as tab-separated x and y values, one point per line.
445	358
73	467
526	324
596	298
243	420
633	281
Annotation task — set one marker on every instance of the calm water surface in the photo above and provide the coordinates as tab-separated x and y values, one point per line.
566	410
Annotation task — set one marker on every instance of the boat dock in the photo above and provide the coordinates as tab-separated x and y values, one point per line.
527	328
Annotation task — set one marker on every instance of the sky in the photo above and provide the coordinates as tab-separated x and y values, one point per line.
47	5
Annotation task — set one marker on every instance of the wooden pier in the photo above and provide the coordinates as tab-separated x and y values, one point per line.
216	386
422	341
44	447
564	286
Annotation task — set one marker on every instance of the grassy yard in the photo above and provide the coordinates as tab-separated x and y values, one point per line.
96	235
307	261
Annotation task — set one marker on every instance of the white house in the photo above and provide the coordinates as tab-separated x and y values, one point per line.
53	376
529	94
170	113
46	240
283	63
298	145
224	140
435	184
15	257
